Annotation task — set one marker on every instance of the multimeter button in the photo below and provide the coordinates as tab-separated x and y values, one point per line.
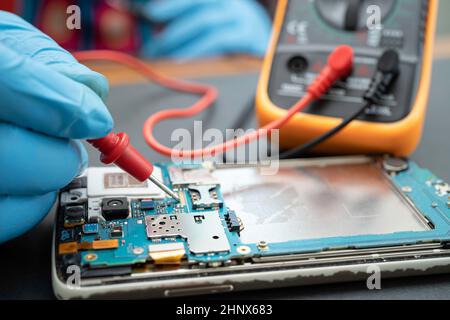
297	64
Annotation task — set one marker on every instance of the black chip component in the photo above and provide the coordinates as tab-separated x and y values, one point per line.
232	221
106	272
94	219
75	212
116	232
147	204
199	219
115	208
74	215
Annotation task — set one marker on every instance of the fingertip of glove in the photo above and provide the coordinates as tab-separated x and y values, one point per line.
103	125
97	125
82	155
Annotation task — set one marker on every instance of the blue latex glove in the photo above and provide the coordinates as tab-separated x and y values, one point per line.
201	28
47	99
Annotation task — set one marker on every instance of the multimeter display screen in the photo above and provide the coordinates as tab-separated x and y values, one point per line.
312	29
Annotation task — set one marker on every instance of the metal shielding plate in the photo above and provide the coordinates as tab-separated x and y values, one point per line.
317	201
204	232
204	196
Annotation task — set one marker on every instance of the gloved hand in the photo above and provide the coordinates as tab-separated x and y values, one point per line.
47	99
200	28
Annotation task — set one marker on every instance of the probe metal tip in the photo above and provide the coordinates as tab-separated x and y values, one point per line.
164	188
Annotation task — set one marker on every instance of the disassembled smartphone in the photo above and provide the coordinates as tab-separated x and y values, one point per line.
237	228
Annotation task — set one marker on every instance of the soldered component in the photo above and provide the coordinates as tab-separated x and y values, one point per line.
90	228
204	196
263	245
95	210
74	215
93	219
90	257
244	250
116	232
147	205
138	250
233	222
442	188
182	197
199	218
115	208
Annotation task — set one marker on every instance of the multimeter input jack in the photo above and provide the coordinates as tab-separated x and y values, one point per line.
297	64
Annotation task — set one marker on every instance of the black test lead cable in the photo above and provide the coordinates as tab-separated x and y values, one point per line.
385	76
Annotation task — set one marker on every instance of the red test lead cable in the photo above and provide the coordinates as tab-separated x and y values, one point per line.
116	148
339	66
340	63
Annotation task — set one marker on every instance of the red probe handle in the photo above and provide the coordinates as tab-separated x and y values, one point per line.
116	148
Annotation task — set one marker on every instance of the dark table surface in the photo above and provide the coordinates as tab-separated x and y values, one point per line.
25	261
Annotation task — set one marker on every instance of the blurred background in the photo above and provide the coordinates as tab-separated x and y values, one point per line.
443	36
182	29
243	28
131	25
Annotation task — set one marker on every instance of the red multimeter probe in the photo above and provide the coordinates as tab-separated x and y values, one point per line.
116	148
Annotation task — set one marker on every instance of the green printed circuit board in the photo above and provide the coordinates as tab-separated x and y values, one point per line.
109	224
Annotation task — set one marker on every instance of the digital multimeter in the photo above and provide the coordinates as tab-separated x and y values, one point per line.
306	31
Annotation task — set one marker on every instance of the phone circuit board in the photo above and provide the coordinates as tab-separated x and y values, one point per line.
109	224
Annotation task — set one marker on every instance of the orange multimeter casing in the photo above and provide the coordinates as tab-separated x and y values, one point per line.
305	32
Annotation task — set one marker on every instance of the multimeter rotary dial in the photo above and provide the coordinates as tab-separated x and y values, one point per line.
352	15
